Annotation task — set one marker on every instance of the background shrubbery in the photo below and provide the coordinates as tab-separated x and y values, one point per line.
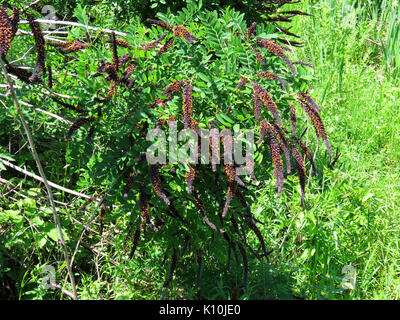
350	216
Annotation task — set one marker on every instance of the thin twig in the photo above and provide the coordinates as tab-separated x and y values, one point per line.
54	116
46	92
43	177
375	42
75	24
64	291
9	185
48	37
24	55
6	87
23	146
30	5
43	111
51	184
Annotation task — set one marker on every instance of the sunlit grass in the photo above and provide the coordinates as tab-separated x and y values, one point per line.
352	216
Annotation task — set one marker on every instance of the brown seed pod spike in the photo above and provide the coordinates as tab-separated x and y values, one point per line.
120	43
6	32
190	176
15	21
76	125
259	57
251	30
50	78
128	72
90	200
296	12
129	183
136	238
115	60
40	49
241	83
276	50
214	149
187	105
173	87
125	58
144	205
168	44
229	197
318	124
110	69
271	76
160	23
277	161
156	182
21	74
67	105
267	100
301	171
282	143
230	172
306	150
293	120
152	44
242	201
202	210
309	100
257	105
112	91
264	125
181	31
69	47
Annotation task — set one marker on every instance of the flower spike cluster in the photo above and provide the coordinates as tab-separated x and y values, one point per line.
156	183
265	97
69	47
181	31
76	125
189	177
271	76
187	106
317	122
277	50
8	28
202	183
40	48
276	160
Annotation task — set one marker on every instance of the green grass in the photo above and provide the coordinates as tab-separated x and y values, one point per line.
352	216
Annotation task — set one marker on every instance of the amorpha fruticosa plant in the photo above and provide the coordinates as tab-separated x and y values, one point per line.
208	70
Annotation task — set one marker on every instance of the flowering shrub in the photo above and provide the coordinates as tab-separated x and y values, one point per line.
199	70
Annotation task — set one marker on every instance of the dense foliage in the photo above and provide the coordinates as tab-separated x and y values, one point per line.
198	68
230	74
